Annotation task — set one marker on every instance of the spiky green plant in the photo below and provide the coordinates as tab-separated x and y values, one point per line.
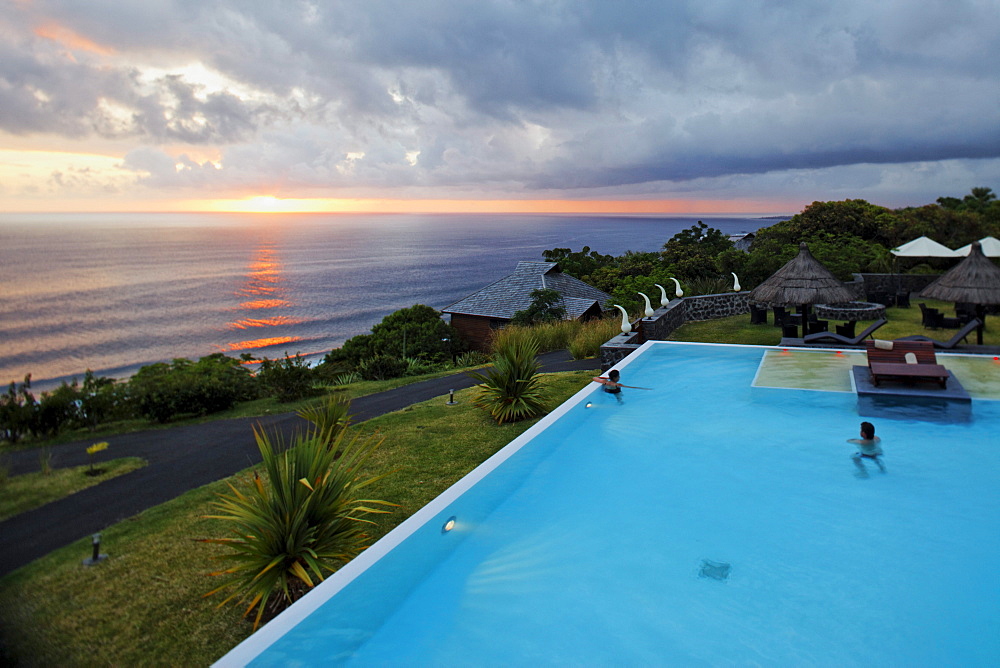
328	417
511	389
298	523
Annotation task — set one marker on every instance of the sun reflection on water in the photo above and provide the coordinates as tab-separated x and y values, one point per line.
263	290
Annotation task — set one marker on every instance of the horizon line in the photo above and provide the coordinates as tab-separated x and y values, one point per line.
269	204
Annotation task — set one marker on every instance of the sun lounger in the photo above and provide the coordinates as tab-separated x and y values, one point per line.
960	335
833	337
904	361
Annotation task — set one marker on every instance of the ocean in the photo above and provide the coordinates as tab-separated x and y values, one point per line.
114	292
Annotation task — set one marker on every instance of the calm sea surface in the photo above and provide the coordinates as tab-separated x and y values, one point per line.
114	292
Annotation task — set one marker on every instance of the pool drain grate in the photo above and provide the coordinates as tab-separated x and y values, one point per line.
717	570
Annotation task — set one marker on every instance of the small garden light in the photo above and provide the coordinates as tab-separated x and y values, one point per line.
96	557
451	398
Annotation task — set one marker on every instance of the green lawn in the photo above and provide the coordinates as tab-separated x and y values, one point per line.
31	490
144	605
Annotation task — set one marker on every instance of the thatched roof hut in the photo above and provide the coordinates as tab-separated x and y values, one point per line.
802	281
974	280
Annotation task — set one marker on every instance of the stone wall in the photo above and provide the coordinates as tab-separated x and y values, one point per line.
665	320
710	307
618	348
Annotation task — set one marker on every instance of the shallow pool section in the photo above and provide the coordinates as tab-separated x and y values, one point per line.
705	522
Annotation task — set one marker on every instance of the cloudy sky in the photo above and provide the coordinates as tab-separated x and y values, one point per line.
685	106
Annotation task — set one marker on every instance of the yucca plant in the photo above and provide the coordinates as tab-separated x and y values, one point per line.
328	417
296	524
511	389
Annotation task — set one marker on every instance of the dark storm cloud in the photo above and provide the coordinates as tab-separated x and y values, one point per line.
542	94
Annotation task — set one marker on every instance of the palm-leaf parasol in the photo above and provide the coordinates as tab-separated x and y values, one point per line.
802	281
974	280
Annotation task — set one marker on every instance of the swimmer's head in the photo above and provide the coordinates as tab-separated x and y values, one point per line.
868	430
613	375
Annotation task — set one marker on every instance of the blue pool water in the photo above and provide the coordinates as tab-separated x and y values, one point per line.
705	522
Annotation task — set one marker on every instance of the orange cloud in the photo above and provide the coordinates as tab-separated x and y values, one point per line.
71	39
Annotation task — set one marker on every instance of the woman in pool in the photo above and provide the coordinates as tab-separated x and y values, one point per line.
868	448
611	383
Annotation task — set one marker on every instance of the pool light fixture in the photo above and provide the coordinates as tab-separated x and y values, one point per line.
449	525
589	404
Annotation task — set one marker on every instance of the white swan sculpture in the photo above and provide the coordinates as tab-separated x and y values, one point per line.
663	295
736	282
678	292
626	325
649	307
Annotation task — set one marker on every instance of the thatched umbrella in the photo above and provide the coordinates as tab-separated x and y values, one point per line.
802	281
974	280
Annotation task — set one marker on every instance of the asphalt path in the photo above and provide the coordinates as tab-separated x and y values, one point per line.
180	459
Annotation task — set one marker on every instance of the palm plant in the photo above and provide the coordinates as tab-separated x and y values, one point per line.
299	522
511	389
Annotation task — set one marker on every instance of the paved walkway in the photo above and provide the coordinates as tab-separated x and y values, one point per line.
179	459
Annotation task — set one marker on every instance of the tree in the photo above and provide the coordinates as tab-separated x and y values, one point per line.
546	306
417	331
691	253
578	264
17	410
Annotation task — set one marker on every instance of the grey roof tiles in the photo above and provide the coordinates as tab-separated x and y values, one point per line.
513	293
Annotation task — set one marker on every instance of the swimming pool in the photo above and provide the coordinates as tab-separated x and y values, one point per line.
708	521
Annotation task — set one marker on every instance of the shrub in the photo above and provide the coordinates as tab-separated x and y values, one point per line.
512	336
556	335
346	378
287	379
592	335
472	358
512	390
298	523
381	367
57	409
417	367
709	285
214	383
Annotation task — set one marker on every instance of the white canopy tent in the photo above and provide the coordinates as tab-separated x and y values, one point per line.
924	247
990	246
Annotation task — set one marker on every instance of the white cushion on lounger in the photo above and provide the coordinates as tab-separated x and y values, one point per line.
911	358
881	344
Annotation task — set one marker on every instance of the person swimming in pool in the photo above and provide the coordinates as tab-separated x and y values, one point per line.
610	381
611	384
869	447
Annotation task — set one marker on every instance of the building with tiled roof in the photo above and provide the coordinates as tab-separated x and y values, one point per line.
477	315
